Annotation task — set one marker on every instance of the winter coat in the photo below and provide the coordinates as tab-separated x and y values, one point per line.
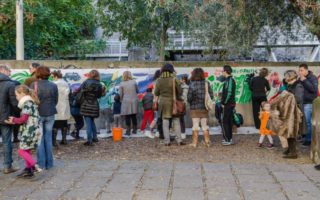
91	90
48	96
196	98
259	86
63	106
310	85
290	115
147	101
229	91
297	90
8	99
128	92
164	90
30	130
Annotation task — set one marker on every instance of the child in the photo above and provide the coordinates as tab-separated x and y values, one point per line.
117	111
264	117
148	115
30	128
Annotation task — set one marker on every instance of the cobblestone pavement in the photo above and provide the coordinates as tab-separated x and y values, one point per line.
143	180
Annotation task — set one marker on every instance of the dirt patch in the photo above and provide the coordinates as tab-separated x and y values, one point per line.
244	151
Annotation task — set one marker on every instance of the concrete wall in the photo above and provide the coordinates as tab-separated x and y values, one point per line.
111	72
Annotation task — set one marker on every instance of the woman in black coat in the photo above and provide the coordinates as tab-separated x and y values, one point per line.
91	91
259	86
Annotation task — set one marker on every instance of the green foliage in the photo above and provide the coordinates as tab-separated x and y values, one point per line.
52	28
144	22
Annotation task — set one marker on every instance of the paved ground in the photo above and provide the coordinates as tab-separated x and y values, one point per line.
118	180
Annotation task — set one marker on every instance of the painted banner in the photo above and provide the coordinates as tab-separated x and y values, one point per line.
111	79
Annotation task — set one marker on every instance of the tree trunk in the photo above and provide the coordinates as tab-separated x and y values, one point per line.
163	42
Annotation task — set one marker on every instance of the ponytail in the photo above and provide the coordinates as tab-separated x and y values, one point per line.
27	91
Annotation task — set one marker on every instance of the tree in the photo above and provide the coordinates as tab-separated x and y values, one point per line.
52	28
309	12
144	22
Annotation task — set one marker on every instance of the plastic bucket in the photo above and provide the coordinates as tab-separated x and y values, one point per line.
117	134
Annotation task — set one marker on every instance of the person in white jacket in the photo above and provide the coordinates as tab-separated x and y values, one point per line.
63	108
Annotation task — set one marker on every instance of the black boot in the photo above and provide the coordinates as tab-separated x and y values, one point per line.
54	137
292	143
286	152
64	136
26	173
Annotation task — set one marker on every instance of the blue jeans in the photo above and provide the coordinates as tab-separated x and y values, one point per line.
307	108
91	128
6	132
44	151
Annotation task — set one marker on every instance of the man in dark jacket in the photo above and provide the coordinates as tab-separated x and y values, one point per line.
8	101
310	84
228	101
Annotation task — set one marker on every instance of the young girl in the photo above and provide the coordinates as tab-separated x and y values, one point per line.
264	117
30	128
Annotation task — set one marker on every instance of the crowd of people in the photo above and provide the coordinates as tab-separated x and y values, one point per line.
39	108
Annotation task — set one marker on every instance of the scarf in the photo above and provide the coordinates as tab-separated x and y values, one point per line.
23	100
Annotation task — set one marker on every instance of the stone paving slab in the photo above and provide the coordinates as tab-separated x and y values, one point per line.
133	180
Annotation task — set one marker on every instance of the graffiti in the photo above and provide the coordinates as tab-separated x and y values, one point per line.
111	78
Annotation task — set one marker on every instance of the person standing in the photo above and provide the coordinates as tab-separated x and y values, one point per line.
8	101
185	88
198	111
91	91
259	86
128	91
164	89
228	102
295	87
47	93
310	84
75	112
63	109
33	68
148	113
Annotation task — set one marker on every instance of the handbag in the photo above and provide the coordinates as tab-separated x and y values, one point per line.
208	101
178	106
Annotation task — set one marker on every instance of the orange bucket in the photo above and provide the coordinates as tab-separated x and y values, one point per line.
117	134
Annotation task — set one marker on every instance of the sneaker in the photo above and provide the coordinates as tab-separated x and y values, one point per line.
149	134
22	173
28	174
88	144
227	143
157	134
37	169
306	143
259	145
183	136
10	170
270	146
95	140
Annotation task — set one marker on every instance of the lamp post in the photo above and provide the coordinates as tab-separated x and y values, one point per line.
19	30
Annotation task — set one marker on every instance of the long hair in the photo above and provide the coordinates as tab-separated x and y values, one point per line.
197	74
23	89
126	76
94	74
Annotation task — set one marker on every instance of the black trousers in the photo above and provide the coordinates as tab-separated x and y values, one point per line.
79	121
182	124
131	118
227	122
256	105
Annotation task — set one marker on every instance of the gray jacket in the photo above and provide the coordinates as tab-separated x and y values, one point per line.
147	101
8	99
48	96
128	92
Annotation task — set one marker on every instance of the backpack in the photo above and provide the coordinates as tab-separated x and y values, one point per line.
237	119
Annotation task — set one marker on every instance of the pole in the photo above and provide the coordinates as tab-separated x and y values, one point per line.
19	30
